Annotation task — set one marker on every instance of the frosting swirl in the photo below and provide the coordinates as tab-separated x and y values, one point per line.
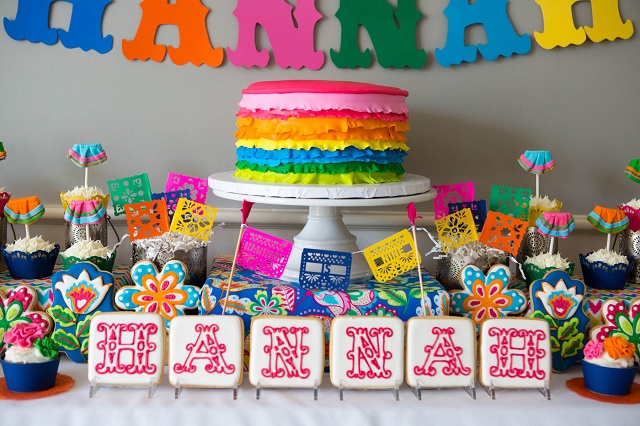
30	245
607	256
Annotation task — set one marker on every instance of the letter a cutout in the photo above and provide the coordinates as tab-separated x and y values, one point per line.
190	18
560	29
502	39
85	26
293	45
392	32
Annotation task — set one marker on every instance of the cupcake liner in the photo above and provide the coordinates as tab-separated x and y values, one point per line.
30	377
608	380
602	276
532	272
30	266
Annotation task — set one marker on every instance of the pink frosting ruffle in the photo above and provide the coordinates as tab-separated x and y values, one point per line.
371	103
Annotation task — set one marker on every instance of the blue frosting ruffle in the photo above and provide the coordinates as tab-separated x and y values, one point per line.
315	155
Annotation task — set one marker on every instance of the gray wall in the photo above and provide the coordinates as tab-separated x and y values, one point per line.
469	122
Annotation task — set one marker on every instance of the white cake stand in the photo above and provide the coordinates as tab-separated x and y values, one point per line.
324	229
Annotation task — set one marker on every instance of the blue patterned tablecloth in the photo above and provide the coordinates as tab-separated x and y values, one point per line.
43	285
254	294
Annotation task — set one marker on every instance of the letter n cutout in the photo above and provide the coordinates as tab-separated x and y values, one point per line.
392	32
85	26
190	18
502	40
293	45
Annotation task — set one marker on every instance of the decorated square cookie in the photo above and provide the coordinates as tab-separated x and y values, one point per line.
440	352
206	351
286	352
367	352
515	353
126	349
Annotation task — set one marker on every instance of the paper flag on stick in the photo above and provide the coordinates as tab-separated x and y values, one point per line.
456	229
478	211
197	186
246	210
129	190
325	270
503	232
147	219
392	256
510	201
451	193
194	219
263	253
172	198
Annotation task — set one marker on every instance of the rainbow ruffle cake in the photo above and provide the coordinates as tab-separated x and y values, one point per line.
321	132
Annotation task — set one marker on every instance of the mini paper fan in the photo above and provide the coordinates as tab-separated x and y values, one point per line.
609	221
3	153
87	155
555	224
24	211
537	162
84	212
633	170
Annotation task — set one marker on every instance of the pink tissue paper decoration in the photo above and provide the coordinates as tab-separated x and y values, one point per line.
263	253
451	193
198	187
412	213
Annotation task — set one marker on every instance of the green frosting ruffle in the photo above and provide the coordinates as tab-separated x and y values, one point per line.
334	168
319	178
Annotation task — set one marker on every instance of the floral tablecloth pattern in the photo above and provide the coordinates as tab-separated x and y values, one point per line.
594	299
121	274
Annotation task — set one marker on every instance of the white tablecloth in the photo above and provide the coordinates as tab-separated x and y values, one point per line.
116	407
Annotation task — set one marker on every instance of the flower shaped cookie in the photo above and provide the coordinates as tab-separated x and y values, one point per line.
485	297
620	321
164	292
19	305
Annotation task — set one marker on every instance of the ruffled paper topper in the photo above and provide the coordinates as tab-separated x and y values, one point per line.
24	211
555	224
3	153
84	212
537	162
87	155
4	199
609	221
633	170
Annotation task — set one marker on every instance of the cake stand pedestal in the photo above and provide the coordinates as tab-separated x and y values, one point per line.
325	228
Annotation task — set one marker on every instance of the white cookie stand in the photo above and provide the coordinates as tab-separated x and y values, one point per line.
324	229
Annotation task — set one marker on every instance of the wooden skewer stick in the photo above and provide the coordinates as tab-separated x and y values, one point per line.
233	267
415	241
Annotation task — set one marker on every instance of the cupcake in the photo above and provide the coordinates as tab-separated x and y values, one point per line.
605	269
30	257
536	267
609	367
30	364
89	251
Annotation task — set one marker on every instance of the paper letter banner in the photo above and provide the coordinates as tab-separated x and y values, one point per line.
510	201
129	190
456	229
263	253
325	270
392	256
146	220
451	193
197	186
194	219
503	232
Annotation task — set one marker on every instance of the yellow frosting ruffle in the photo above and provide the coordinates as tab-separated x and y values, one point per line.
332	135
314	126
352	178
325	145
